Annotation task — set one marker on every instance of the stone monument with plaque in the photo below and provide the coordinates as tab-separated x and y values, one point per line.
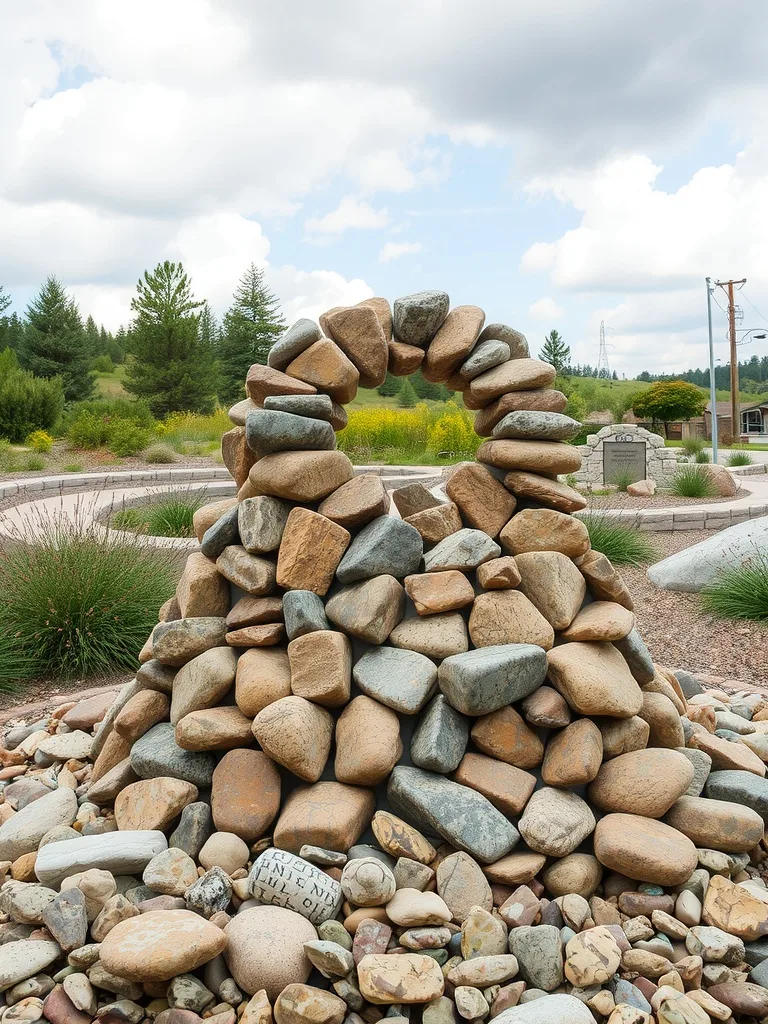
625	450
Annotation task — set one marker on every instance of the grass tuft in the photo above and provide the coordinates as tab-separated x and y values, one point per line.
623	545
159	454
170	515
75	600
737	458
741	592
692	481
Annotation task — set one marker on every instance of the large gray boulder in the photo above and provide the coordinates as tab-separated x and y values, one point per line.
694	568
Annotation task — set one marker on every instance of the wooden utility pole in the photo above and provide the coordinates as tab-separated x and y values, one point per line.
727	287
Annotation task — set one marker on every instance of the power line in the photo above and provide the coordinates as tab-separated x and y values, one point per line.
755	308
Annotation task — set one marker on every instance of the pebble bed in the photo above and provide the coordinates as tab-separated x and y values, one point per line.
421	768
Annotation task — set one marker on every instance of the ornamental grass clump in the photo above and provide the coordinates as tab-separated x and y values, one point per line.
76	600
739	458
740	592
623	545
692	481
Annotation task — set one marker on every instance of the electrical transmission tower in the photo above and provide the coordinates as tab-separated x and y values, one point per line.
603	369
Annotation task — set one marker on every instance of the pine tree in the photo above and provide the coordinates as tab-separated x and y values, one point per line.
11	332
391	386
171	367
5	301
556	352
93	338
54	343
208	329
424	388
407	396
251	326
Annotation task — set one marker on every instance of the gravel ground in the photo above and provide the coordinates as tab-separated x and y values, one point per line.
680	635
621	500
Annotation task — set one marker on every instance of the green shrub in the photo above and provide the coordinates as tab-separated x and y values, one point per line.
40	441
692	481
32	463
27	402
107	409
701	457
738	458
12	461
168	516
622	544
692	446
126	438
160	454
103	364
88	431
73	467
741	592
190	433
76	600
407	397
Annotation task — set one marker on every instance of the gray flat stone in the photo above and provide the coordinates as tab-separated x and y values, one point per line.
261	522
386	546
401	680
739	788
756	952
22	833
539	952
515	341
702	765
268	431
484	357
293	342
223	533
362	850
484	680
694	568
546	426
66	919
156	754
689	684
463	550
195	826
726	720
440	738
303	612
417	318
317	407
175	643
637	656
463	817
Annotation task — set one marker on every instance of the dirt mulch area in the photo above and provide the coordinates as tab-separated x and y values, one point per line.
45	701
102	462
680	634
620	500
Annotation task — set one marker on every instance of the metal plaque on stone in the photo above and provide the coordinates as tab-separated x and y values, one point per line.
623	457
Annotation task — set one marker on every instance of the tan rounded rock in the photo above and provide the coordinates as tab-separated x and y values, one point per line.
263	381
577	873
507	787
734	909
325	366
484	502
310	551
434	592
368	610
504	735
453	342
304	476
622	735
438	636
368	744
245	794
601	620
538	400
498	573
250	573
329	814
263	676
462	884
265	949
595	680
405	978
435	524
321	667
304	1004
545	491
515	375
358	332
202	682
515	868
152	803
222	728
159	945
297	734
145	709
555	822
573	756
544	529
644	849
645	782
356	502
603	580
508	617
202	590
553	583
663	719
411	908
399	839
546	708
224	850
367	882
530	456
716	824
591	957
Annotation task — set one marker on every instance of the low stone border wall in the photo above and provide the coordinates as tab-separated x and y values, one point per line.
758	469
667	519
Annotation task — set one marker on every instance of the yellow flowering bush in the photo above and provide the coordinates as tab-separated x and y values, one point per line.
40	441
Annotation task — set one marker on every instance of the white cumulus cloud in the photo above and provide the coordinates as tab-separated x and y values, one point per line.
395	250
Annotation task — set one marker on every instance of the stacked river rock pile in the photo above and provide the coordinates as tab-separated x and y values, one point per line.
419	766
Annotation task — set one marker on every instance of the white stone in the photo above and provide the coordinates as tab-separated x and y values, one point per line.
63	746
20	960
283	880
22	833
122	853
692	569
557	1009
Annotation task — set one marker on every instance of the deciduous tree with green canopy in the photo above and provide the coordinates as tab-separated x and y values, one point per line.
252	325
54	343
669	400
171	367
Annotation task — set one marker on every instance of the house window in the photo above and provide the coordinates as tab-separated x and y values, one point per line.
752	421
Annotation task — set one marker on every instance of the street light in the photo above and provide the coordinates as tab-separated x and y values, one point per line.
712	389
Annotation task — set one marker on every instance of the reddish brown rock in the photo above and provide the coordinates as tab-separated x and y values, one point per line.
237	456
310	551
383	311
540	400
435	592
453	342
321	667
574	755
325	366
255	611
368	744
297	734
484	502
404	359
356	502
266	635
546	709
716	824
245	794
508	617
504	735
645	782
726	755
263	676
358	333
89	712
115	750
498	574
515	375
262	381
552	493
328	814
435	524
544	529
644	849
152	803
622	735
202	590
507	787
221	728
663	719
145	709
301	476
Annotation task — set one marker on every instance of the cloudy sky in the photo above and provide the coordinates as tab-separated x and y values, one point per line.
558	162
